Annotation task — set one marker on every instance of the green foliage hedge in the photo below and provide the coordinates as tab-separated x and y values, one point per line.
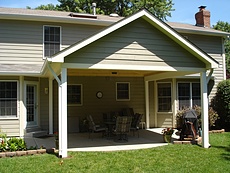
221	103
11	144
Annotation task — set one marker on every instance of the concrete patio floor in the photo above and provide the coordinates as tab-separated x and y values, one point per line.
80	141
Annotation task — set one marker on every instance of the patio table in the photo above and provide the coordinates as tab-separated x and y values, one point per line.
110	125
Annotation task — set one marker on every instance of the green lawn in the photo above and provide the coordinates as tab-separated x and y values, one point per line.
170	158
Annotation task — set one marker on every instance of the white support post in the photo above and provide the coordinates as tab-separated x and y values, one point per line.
21	115
147	103
174	106
204	113
63	114
50	106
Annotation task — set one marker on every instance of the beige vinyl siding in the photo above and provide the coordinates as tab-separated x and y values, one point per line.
96	107
164	120
138	43
213	46
10	127
22	41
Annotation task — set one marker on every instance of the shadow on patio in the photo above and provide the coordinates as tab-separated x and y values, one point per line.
81	142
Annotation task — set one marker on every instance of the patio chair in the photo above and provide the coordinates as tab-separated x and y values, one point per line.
93	128
123	124
135	124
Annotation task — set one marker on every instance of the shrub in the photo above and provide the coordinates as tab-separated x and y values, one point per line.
16	144
221	103
212	116
3	142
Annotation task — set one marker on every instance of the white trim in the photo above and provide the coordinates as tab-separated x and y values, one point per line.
129	91
22	107
43	43
186	70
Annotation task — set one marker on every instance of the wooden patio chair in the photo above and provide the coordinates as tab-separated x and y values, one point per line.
136	123
94	128
123	124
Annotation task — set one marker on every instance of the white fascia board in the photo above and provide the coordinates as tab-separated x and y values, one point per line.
57	19
59	57
130	67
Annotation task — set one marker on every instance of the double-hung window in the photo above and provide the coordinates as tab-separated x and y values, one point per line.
189	94
74	94
8	99
52	40
164	97
123	91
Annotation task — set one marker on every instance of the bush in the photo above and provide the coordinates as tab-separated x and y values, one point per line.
212	116
16	144
12	144
221	103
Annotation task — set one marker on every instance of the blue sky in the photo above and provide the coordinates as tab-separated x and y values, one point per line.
184	9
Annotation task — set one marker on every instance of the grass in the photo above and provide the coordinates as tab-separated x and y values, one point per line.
170	158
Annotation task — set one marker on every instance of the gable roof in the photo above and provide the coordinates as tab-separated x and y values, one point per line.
163	27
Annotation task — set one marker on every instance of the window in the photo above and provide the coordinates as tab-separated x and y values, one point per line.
188	94
123	91
52	40
8	99
164	97
74	94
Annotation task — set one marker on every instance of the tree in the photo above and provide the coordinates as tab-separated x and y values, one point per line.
225	26
160	8
47	7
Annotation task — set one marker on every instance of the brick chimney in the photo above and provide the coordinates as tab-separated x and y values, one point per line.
203	17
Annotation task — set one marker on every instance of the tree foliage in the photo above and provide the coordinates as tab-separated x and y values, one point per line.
225	26
160	8
221	103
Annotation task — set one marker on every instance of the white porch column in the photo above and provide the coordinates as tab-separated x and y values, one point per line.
204	113
147	103
50	106
63	114
22	118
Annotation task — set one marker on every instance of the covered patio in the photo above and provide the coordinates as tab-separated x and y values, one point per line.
80	142
141	45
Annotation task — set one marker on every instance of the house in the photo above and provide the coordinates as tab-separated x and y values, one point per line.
58	67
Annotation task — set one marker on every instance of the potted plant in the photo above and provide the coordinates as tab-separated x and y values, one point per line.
167	134
56	140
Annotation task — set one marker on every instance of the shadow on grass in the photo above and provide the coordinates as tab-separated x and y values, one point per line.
226	149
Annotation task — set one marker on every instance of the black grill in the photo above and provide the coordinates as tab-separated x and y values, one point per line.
190	125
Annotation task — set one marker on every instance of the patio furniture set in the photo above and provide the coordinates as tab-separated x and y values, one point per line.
116	125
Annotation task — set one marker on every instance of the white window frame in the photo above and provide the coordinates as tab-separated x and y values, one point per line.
44	57
17	102
190	93
118	99
164	111
75	104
